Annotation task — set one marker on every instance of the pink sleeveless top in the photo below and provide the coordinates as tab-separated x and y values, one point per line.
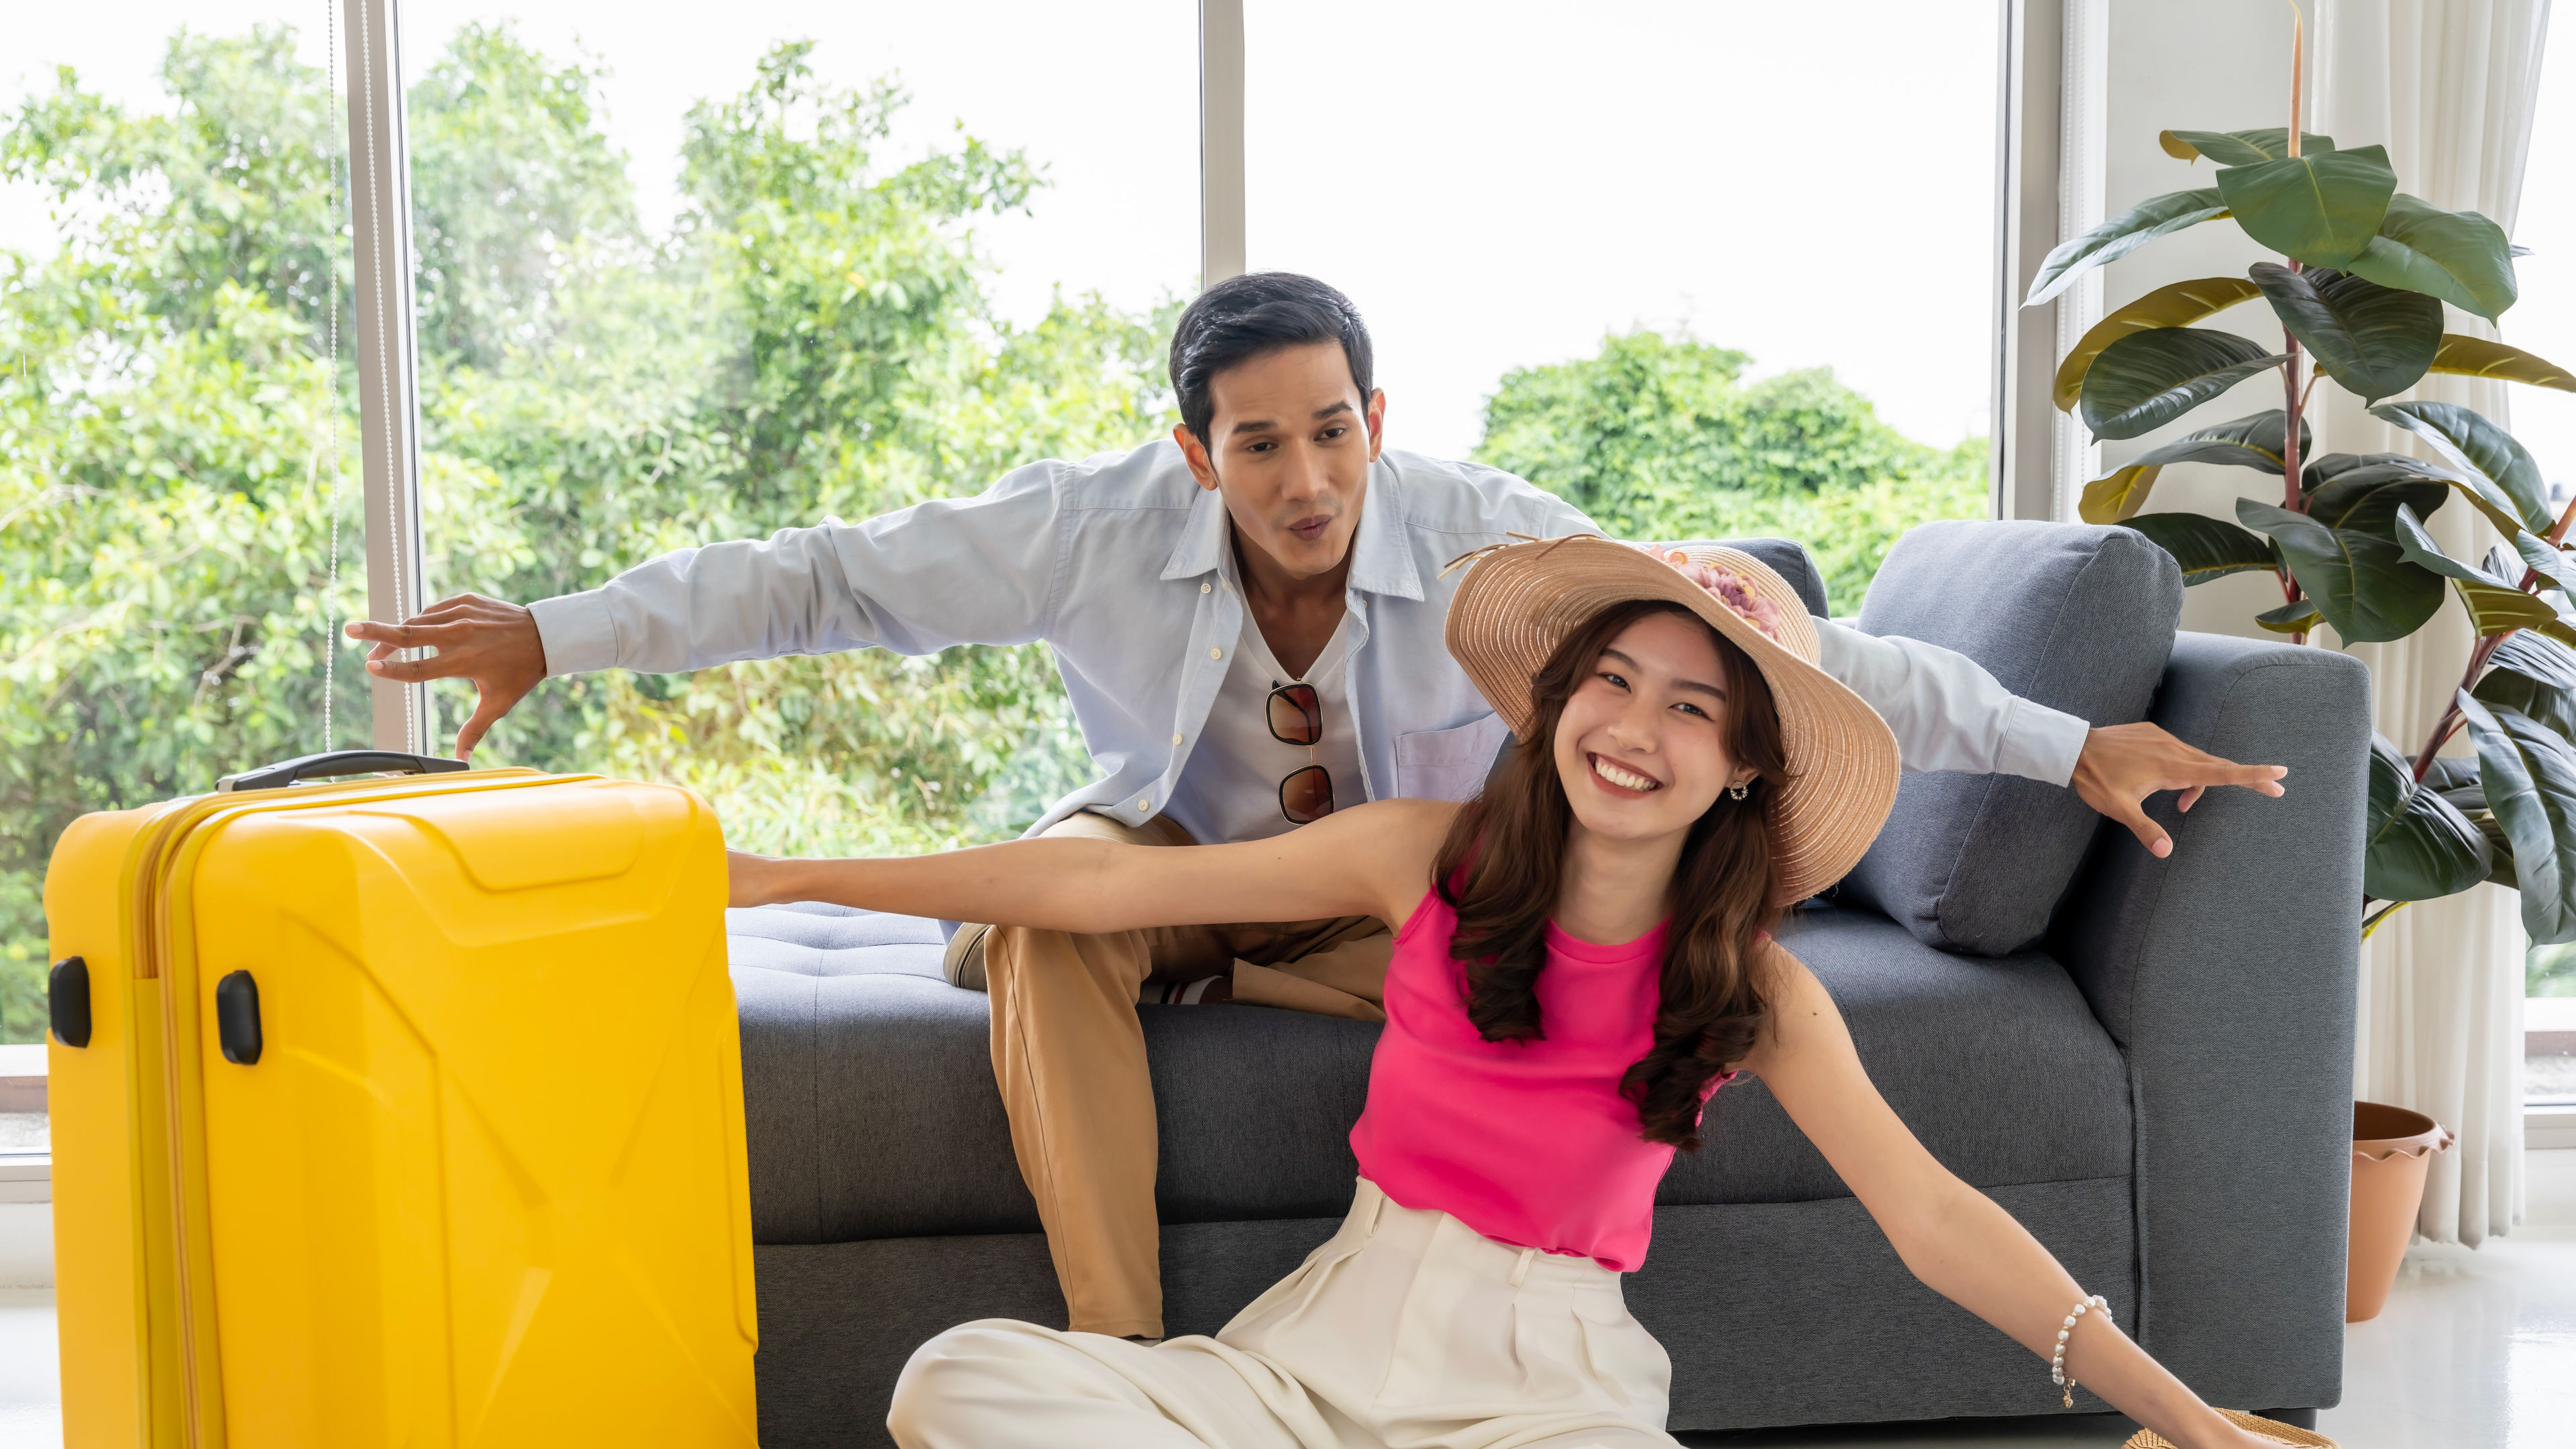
1528	1143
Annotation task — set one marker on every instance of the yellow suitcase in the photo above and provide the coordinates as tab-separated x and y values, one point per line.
399	1112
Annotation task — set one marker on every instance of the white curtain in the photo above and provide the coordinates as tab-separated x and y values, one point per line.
2449	87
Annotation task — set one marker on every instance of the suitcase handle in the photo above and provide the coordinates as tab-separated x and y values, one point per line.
338	762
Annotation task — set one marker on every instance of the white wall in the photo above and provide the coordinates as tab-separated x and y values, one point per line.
26	1245
2208	65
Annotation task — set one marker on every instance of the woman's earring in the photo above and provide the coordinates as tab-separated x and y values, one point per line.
1735	792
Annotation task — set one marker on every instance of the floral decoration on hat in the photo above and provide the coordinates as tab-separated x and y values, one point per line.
1728	589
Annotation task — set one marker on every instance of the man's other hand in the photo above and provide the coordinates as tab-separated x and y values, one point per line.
2123	764
493	643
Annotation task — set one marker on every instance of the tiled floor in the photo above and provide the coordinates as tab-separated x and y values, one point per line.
2477	1350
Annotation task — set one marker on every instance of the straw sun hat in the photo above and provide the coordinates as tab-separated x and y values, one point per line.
1520	600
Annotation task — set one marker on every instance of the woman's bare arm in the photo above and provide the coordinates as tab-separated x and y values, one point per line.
1370	860
1952	1236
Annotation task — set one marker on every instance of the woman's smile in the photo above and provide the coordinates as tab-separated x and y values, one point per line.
1620	780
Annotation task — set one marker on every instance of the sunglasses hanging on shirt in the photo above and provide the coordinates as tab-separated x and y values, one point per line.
1297	718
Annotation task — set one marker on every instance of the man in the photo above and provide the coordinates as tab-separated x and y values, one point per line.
1273	505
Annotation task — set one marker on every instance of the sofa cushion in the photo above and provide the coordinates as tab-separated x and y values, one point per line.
2077	618
869	1097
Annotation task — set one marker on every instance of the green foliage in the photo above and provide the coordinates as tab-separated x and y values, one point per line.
2346	542
1658	438
812	339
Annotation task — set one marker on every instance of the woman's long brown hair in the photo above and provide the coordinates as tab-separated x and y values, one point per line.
1503	866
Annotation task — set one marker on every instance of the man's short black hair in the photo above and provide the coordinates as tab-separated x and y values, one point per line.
1242	318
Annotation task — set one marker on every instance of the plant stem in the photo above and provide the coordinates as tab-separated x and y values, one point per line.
2558	534
2449	724
2293	399
2382	914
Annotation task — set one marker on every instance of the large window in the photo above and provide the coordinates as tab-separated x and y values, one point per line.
171	432
1674	258
680	281
680	284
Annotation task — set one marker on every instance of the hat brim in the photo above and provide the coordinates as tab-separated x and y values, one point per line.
1520	601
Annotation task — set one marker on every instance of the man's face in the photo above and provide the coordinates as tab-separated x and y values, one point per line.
1289	447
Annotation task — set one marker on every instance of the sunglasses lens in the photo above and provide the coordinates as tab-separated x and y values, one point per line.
1307	796
1296	716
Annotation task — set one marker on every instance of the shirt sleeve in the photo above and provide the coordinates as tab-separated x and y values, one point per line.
1946	711
950	571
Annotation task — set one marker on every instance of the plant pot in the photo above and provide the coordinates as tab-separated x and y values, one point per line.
2392	1149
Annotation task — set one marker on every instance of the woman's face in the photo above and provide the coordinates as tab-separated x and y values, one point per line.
1641	745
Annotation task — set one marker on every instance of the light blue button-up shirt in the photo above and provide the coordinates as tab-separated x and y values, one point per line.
1113	561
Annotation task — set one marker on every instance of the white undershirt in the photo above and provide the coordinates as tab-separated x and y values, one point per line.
1229	790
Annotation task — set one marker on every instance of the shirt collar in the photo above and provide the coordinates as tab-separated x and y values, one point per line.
1380	562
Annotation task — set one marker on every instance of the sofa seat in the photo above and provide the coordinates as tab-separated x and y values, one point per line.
872	1112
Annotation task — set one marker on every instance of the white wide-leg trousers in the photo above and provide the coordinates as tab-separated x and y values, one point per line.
1406	1330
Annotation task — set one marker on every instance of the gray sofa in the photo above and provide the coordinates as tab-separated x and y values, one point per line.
2156	1082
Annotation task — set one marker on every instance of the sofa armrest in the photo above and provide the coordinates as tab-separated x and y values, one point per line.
2227	974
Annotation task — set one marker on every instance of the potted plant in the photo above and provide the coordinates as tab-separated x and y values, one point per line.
2358	289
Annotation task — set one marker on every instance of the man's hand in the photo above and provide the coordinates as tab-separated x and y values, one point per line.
2123	764
485	640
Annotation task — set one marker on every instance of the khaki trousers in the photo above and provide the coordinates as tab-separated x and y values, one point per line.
1069	1054
1405	1328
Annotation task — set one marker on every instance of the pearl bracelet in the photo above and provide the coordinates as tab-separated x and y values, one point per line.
2057	1365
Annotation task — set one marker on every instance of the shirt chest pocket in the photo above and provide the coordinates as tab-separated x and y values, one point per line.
1448	764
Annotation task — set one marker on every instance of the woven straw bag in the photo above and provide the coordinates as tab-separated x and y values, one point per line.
2278	1433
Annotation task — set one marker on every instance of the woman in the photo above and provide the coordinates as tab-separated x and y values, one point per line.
1584	959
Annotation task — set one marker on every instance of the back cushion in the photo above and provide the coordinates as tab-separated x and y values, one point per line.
2068	615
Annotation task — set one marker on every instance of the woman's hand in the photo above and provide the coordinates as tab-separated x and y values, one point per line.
755	880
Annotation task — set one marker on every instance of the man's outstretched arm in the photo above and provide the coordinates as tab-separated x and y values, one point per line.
951	571
1948	713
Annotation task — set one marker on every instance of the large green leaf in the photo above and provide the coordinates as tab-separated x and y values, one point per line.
2148	379
2493	594
2320	210
2178	305
2238	148
2455	778
2363	584
2420	549
2529	772
2120	236
2458	256
2476	446
2117	495
2500	609
2418	846
2315	473
2248	442
2368	502
2477	357
2536	675
2206	548
2293	618
2376	341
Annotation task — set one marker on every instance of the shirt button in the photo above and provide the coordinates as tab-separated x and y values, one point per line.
1176	739
1145	804
1216	654
1203	588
